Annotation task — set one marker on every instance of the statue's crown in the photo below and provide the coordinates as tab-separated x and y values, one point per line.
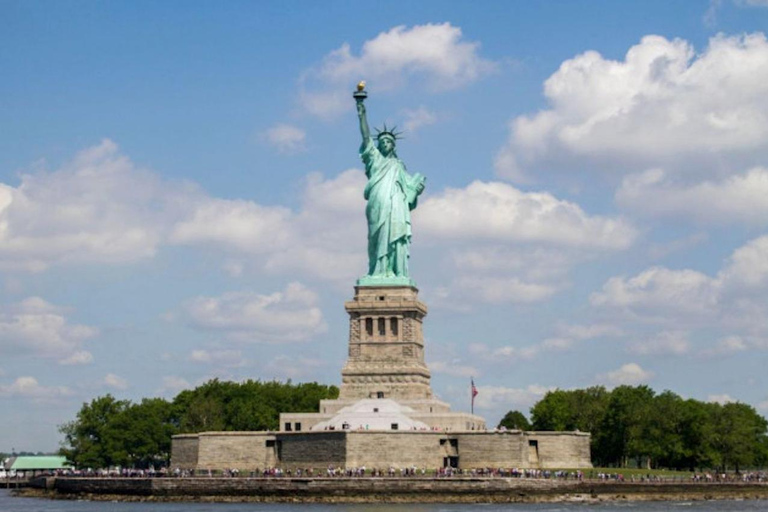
389	132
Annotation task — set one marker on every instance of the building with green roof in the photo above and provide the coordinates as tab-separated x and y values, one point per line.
36	463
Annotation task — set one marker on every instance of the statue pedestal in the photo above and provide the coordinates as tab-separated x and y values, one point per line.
386	345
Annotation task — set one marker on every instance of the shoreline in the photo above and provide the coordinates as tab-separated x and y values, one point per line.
385	490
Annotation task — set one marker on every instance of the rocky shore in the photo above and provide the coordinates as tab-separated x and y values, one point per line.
390	490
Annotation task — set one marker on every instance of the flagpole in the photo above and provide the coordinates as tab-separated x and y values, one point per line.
472	395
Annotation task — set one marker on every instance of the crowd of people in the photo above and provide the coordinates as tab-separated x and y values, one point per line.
413	471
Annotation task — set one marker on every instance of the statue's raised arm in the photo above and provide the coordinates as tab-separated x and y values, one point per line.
360	96
391	194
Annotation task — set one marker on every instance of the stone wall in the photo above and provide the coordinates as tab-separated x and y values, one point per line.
248	451
451	421
491	450
562	449
313	450
184	451
399	449
235	450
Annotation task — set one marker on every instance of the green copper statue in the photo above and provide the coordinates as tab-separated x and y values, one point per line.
391	194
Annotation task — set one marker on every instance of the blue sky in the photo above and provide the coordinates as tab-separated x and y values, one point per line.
181	195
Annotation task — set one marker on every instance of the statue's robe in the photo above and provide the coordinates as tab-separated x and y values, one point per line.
391	194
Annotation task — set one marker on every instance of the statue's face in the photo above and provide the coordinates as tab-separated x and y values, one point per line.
386	146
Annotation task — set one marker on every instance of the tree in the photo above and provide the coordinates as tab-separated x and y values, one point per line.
87	438
515	420
140	436
553	412
622	430
739	434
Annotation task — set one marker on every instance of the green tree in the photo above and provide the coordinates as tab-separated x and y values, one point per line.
553	412
140	436
515	420
87	438
738	435
623	429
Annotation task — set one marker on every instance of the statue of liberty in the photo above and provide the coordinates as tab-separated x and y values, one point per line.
391	194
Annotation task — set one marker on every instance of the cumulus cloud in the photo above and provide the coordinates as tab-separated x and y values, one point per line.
417	118
286	138
491	397
453	368
99	207
565	338
738	198
732	298
289	315
228	358
659	289
36	327
436	55
630	374
662	104
501	212
728	345
663	343
285	367
114	381
495	290
748	265
172	384
102	208
80	357
102	195
29	387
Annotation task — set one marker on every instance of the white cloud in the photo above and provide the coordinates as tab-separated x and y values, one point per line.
763	406
748	265
228	358
661	289
285	367
729	345
500	212
290	315
102	208
436	55
500	289
37	327
78	358
630	374
721	399
662	103
172	384
286	138
590	331
28	387
734	298
453	368
664	343
737	198
491	397
417	118
240	224
114	381
98	208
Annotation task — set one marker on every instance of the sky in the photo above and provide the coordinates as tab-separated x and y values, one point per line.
181	196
